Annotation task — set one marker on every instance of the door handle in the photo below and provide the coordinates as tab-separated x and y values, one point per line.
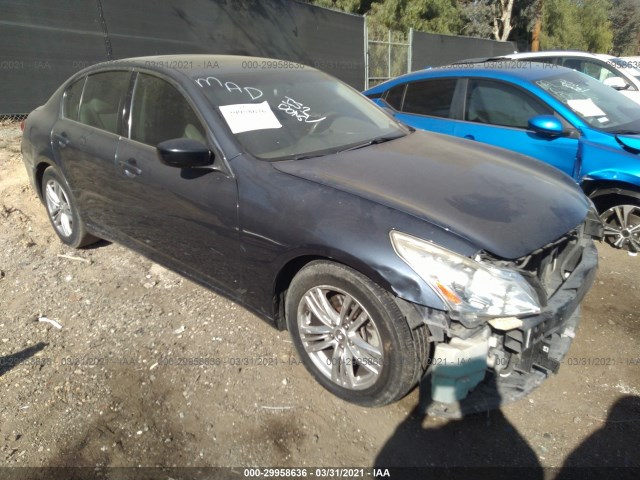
130	167
62	140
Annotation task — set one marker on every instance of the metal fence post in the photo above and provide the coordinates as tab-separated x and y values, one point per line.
410	51
389	57
366	54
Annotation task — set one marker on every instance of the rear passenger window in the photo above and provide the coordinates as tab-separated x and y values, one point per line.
160	112
103	100
431	97
71	100
394	96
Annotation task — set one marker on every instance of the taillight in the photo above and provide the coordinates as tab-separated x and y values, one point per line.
22	125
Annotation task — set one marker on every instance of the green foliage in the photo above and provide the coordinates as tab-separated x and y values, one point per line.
592	25
575	24
477	18
625	22
437	16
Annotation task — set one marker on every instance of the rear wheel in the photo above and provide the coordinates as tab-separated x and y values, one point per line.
62	210
352	336
621	218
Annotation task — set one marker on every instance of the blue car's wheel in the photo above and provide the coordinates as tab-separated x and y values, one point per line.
622	225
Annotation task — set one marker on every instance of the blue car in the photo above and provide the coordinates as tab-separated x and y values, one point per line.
554	114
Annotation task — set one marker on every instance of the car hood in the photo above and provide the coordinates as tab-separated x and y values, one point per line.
505	203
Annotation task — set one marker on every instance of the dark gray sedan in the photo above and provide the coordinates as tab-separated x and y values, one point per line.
387	253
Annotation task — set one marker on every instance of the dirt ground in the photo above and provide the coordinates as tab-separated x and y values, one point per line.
102	390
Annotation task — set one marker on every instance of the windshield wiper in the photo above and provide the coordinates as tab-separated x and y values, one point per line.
305	156
374	141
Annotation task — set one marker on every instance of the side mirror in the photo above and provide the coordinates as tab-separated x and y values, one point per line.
184	153
616	82
547	125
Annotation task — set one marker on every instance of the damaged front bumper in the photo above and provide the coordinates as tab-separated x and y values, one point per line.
503	360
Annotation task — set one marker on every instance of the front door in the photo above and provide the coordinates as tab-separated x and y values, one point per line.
497	113
186	217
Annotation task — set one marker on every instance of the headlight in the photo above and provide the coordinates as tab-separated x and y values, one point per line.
469	288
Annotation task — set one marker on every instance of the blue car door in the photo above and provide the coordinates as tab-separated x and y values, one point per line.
426	104
497	113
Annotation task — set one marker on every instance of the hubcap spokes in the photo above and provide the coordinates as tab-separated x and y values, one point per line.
59	208
340	337
622	227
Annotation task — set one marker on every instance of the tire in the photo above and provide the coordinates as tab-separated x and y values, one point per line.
62	210
621	218
391	357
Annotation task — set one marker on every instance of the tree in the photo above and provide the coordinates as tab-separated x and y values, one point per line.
576	24
437	16
625	23
477	18
502	19
596	27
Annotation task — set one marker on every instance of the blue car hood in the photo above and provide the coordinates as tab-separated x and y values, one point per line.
505	203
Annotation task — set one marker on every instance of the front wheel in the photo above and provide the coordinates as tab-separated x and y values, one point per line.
62	210
622	224
352	336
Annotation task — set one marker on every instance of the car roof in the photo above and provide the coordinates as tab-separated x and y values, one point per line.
500	68
558	53
197	65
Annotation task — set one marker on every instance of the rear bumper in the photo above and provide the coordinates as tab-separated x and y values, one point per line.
535	351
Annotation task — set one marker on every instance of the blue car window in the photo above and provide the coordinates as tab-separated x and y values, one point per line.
599	106
430	97
497	103
394	96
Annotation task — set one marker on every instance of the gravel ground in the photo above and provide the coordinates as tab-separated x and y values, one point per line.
101	390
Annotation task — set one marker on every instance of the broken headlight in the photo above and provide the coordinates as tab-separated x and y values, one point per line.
471	289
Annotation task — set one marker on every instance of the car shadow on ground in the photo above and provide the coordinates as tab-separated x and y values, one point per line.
487	445
10	361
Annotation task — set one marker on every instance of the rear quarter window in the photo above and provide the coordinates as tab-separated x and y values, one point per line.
71	99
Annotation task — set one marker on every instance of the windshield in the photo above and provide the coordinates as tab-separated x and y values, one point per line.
598	105
278	115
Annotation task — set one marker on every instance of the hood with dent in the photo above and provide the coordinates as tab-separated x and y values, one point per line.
505	203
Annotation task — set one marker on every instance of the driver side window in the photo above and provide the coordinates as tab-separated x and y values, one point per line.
497	103
160	112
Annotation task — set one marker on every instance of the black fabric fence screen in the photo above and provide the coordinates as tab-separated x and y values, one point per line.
433	50
43	42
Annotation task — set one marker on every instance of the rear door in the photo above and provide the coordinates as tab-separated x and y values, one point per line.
85	140
426	104
497	113
186	217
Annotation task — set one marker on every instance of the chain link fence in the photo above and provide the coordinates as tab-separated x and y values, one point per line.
388	54
10	118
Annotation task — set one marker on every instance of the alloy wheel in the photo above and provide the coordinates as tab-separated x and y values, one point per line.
59	208
340	337
622	227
